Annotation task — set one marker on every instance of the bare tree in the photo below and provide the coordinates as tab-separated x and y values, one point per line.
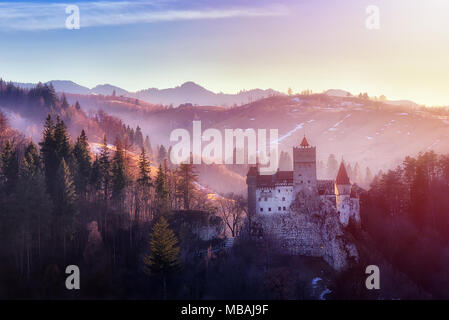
232	210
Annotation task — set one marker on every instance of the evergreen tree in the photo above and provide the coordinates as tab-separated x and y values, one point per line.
144	178
162	154
62	141
332	166
105	167
31	160
64	103
368	175
9	168
95	175
138	137
187	183
164	253
118	172
49	154
147	146
33	203
162	192
65	203
419	195
83	164
143	184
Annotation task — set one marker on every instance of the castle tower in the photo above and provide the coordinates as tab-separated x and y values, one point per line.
342	183
304	167
251	181
343	194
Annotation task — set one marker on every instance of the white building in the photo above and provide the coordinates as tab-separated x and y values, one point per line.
273	194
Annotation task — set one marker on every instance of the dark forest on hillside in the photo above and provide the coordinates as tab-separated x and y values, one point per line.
134	223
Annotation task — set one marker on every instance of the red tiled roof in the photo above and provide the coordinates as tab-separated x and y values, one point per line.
272	180
342	176
304	142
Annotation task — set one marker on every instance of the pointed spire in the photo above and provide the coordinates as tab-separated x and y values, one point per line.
342	176
304	142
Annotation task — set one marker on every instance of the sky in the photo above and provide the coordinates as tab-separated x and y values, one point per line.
228	45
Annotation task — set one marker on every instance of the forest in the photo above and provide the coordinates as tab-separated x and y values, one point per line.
139	227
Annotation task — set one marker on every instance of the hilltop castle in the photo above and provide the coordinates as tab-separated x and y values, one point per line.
274	194
306	215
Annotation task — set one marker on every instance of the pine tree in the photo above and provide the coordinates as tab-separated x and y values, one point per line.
143	185
9	168
187	183
105	166
62	141
118	172
144	178
83	164
162	154
64	102
65	203
419	193
162	192
332	166
164	253
95	175
368	176
49	154
31	163
138	137
33	203
147	146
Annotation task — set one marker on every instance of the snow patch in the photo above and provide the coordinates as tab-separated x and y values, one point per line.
288	134
334	127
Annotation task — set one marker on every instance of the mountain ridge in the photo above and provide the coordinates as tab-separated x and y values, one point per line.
188	92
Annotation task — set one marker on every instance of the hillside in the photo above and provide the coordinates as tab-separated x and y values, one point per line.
375	134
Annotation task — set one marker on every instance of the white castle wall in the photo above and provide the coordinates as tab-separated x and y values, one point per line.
274	200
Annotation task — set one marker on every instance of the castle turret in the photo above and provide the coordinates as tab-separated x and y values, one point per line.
304	167
251	181
345	207
342	183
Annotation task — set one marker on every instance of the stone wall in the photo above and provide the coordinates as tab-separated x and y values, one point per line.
311	228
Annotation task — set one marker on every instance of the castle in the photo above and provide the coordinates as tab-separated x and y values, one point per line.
274	194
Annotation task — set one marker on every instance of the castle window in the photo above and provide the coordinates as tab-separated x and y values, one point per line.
283	208
279	190
308	181
279	208
302	181
283	198
269	209
261	209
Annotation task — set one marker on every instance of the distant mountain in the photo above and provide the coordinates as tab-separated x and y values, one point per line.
69	87
108	90
338	93
66	86
188	92
193	93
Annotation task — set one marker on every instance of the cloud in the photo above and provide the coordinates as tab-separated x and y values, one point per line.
30	16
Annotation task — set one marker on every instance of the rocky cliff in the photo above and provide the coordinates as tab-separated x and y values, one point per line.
312	228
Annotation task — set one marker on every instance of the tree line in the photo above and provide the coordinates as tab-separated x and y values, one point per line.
62	203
